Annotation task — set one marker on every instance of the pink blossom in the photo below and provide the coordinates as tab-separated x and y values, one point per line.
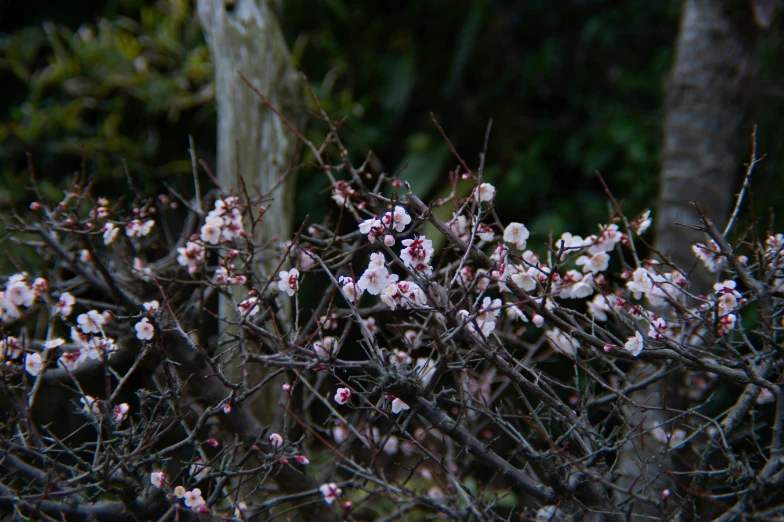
288	281
342	396
109	233
193	499
375	279
276	440
139	228
249	307
158	479
120	412
373	227
331	492
350	289
64	305
404	294
211	231
34	363
417	254
325	348
191	254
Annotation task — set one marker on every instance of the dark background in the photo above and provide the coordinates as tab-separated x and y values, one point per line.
572	87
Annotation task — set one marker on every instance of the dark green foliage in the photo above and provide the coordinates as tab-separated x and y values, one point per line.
128	89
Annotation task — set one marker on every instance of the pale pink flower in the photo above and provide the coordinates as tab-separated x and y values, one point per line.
139	228
71	360
144	330
193	499
435	493
151	306
91	405
64	305
375	279
517	234
606	241
391	445
634	345
34	363
398	406
642	223
141	269
342	396
373	227
340	432
276	440
158	479
179	492
526	278
350	289
249	306
109	233
417	254
486	192
404	294
594	263
53	343
289	282
91	322
570	242
562	342
598	307
325	348
120	412
710	255
192	254
331	492
199	470
18	293
765	396
400	218
211	231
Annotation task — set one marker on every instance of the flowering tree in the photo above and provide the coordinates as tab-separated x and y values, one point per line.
491	379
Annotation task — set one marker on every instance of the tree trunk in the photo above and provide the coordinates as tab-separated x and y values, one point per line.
253	143
706	98
712	76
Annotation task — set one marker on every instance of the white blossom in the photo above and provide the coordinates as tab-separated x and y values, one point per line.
517	234
375	279
331	492
144	330
634	345
91	322
486	192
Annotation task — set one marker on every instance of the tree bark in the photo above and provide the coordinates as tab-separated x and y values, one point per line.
707	94
706	97
253	144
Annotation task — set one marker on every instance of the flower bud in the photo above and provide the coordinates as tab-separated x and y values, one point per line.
286	387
